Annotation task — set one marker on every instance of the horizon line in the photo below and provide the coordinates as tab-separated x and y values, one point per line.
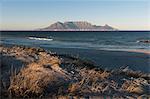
72	30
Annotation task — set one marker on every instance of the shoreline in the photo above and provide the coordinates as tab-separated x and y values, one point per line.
110	59
140	51
48	74
143	51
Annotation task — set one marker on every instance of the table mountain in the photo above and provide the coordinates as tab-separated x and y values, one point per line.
77	26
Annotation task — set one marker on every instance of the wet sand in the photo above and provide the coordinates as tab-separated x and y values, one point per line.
141	51
135	60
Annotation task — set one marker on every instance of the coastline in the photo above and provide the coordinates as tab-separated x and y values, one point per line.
140	51
57	74
110	59
143	51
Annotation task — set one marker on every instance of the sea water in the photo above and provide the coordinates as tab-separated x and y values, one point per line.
115	40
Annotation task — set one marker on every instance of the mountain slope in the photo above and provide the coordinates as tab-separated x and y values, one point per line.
77	26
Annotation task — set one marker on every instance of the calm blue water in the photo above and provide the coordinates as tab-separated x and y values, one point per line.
83	40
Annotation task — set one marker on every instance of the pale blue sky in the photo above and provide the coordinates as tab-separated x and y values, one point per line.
32	14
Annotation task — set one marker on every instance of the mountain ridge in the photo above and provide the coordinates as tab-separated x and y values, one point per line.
77	26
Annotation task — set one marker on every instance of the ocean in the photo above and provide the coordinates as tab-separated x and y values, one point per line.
108	50
115	40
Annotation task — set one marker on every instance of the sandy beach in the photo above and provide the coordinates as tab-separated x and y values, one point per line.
58	73
141	51
138	60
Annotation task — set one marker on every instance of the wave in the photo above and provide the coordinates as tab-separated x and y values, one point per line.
39	38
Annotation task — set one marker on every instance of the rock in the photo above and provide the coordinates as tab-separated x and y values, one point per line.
41	50
144	41
47	66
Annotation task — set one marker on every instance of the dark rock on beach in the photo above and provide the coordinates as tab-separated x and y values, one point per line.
144	41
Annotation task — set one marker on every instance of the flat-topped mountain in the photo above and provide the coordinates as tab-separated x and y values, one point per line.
77	26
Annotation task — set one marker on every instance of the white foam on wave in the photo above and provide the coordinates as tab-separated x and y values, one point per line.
43	39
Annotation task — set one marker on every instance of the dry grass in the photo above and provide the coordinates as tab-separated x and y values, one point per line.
138	86
90	82
38	77
53	76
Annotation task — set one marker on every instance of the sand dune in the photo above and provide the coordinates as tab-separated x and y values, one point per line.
47	74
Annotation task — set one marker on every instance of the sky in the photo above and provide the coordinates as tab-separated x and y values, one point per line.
33	14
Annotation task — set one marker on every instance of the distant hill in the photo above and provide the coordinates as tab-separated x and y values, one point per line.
77	26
